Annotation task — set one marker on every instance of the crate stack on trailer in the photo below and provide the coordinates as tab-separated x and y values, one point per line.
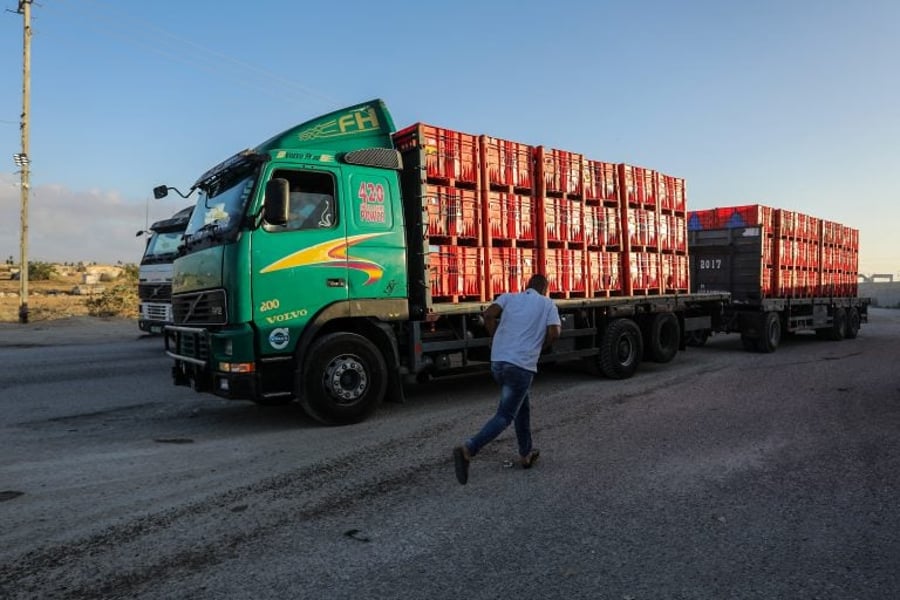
602	228
498	210
800	256
452	207
511	238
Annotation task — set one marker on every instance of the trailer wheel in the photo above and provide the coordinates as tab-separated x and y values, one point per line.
621	349
853	322
838	325
345	379
662	338
771	333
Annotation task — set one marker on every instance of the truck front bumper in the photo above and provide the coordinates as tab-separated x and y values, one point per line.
206	361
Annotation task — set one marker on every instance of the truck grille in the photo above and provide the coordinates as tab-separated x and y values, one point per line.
200	308
188	343
155	312
155	292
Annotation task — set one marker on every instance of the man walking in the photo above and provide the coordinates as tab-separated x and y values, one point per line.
521	325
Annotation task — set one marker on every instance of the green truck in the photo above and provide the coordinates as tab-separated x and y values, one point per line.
306	274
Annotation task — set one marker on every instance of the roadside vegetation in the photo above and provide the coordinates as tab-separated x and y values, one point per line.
62	290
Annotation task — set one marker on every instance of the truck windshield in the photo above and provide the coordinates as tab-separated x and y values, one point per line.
162	246
220	206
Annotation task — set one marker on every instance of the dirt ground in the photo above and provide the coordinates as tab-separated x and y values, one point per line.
55	314
67	330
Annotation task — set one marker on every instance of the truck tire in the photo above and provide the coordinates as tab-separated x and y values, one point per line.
838	325
853	322
621	349
345	379
771	333
662	338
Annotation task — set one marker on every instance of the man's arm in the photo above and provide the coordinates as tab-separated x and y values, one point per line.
551	336
490	316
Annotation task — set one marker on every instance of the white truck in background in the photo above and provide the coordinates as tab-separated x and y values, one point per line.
155	271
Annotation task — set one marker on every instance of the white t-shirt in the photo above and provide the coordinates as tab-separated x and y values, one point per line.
522	327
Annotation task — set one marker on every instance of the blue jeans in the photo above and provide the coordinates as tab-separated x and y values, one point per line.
514	385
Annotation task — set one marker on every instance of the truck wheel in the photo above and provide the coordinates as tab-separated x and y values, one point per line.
663	338
771	333
853	322
345	379
838	325
621	349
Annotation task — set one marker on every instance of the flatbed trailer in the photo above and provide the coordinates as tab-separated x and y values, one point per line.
772	292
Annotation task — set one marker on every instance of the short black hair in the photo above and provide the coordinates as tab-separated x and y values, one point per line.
538	283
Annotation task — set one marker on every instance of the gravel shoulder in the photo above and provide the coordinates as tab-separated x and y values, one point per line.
70	330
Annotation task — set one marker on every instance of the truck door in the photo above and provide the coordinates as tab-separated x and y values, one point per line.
301	267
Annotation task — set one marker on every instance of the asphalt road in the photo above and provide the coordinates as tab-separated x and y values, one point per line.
720	475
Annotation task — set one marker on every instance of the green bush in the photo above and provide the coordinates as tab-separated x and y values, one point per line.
40	271
118	301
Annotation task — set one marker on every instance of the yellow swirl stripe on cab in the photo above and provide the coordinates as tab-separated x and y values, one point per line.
332	253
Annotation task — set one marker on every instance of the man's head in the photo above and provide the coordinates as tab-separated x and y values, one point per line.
538	283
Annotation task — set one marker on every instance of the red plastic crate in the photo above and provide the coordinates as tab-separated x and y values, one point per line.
455	272
627	185
510	269
443	271
666	232
680	201
436	209
452	212
572	214
522	217
644	180
509	163
554	226
576	271
642	227
499	209
613	228
469	264
562	171
603	272
786	223
637	185
675	273
555	265
594	233
449	154
600	181
527	266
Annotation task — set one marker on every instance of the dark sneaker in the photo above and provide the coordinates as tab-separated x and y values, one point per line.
529	460
461	464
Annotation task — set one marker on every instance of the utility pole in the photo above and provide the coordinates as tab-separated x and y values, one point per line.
22	159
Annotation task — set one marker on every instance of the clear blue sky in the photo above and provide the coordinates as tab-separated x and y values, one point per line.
794	104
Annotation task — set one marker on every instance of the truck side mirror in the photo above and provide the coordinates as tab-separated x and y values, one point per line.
160	192
276	203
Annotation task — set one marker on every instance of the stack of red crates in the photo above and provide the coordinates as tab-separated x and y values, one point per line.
496	211
802	256
654	232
